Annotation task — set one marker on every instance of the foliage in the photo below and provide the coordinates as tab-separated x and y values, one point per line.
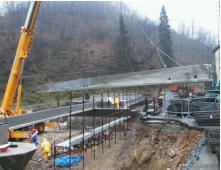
78	39
165	40
123	53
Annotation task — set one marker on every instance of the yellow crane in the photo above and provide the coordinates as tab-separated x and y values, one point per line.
15	78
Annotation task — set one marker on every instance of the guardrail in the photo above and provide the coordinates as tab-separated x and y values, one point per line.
193	105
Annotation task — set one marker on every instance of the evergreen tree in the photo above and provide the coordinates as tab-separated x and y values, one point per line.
124	57
165	37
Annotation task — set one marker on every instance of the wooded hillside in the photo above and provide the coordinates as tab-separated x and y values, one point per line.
79	39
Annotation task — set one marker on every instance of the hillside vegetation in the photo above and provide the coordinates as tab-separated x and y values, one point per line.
79	39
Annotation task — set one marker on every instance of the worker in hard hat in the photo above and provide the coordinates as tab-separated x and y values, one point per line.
46	149
111	102
117	102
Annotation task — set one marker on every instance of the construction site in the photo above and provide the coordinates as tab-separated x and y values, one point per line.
159	119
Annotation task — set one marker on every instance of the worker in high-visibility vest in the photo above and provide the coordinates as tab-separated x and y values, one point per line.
46	149
117	102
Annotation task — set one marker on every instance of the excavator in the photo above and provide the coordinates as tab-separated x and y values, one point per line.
16	74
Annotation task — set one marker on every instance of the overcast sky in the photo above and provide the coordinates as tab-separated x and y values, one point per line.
203	13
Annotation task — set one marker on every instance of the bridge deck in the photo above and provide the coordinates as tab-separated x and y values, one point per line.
32	118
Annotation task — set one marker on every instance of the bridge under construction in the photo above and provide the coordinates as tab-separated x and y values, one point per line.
33	118
182	74
167	128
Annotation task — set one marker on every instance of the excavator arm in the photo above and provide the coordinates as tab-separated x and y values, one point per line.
18	64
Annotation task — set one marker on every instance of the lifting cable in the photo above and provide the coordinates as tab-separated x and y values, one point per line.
164	65
157	48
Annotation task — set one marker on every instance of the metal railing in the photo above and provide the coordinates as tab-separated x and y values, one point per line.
193	105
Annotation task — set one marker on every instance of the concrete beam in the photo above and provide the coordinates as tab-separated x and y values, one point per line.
183	74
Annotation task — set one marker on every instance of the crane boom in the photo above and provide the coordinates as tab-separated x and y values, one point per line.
20	56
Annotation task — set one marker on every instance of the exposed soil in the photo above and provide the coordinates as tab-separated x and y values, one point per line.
51	134
143	147
160	149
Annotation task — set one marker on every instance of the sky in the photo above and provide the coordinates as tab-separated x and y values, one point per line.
202	13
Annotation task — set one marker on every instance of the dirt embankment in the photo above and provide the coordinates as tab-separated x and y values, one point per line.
160	149
143	148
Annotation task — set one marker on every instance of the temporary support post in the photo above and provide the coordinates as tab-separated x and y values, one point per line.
127	98
188	106
94	135
119	127
115	124
54	155
123	98
83	131
109	131
69	149
182	110
93	124
146	105
102	120
127	124
108	101
138	98
119	99
130	98
93	102
93	128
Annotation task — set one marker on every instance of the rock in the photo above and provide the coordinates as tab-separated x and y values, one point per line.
155	141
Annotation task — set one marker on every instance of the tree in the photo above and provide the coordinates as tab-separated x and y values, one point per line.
165	39
123	48
78	36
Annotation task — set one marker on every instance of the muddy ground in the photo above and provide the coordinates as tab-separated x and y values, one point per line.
142	147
